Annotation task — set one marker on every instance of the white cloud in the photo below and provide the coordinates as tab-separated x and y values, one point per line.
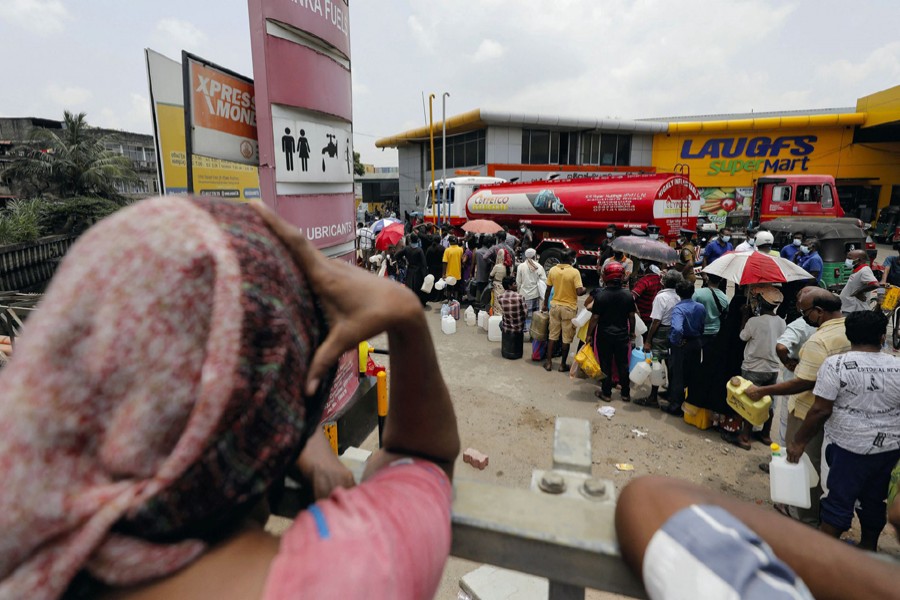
424	37
174	35
43	17
68	97
882	63
488	50
131	116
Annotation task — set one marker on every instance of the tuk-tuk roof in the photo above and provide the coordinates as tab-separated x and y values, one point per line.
822	229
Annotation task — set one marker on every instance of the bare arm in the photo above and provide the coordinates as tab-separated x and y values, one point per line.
812	424
421	421
785	388
784	356
654	325
833	570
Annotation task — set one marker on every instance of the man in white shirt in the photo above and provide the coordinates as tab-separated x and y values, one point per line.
749	244
857	397
861	286
529	276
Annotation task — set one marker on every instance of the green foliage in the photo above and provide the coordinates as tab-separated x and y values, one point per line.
27	220
74	215
20	222
358	167
68	163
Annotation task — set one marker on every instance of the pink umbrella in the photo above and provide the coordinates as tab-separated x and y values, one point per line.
481	226
745	268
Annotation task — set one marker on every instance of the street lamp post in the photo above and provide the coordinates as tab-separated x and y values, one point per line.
431	137
444	154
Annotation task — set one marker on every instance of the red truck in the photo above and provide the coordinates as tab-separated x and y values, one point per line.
574	214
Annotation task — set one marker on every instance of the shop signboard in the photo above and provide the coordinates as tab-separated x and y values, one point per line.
211	176
220	112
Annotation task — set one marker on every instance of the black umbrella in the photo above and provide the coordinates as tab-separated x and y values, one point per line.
645	249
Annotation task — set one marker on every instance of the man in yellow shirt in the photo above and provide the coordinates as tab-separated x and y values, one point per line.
821	309
453	266
566	281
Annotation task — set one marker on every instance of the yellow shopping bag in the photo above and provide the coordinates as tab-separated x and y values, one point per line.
588	363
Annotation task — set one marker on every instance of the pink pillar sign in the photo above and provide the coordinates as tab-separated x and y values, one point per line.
301	69
304	118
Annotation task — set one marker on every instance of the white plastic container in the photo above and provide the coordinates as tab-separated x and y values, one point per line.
640	375
483	319
657	374
583	316
494	333
428	284
448	325
440	284
789	483
471	318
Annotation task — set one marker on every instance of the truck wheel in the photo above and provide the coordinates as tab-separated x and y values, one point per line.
550	258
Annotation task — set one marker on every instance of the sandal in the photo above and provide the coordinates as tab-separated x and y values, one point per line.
735	440
782	509
626	398
600	395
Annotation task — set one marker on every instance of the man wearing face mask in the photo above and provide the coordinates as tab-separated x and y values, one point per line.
749	244
892	268
653	232
793	248
527	237
809	260
606	250
820	309
718	247
861	285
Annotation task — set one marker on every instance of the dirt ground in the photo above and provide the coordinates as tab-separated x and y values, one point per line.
507	408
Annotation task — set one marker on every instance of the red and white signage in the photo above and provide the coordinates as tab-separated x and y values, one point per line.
301	66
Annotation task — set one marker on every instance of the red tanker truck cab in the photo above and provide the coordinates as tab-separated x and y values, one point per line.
806	196
574	214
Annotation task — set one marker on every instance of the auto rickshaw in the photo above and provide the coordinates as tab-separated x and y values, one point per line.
836	237
886	225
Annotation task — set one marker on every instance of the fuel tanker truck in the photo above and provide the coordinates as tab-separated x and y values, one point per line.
574	213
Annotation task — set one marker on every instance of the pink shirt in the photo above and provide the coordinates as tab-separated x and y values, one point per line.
387	538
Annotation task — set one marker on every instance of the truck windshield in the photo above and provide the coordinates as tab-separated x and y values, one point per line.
438	195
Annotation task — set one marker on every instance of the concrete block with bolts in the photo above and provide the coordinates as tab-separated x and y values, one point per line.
477	459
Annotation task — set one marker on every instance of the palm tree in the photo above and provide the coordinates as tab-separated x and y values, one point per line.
68	163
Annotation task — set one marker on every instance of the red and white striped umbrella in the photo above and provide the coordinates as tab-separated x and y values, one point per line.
745	268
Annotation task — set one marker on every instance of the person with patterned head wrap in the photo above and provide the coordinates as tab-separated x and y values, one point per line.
176	367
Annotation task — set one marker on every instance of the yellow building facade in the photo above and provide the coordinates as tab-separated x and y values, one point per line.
860	149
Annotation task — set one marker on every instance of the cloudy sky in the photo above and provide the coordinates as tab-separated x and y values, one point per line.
616	58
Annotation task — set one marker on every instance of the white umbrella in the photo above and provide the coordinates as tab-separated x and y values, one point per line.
380	224
745	268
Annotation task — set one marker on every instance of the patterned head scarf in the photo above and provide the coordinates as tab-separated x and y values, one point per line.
155	396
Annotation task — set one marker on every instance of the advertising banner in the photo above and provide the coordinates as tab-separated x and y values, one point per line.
222	110
211	176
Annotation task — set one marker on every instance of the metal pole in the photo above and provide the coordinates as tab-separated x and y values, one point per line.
444	153
431	137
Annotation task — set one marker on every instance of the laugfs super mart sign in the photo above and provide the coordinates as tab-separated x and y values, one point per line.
301	67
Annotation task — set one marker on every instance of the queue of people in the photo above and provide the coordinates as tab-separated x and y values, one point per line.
138	456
